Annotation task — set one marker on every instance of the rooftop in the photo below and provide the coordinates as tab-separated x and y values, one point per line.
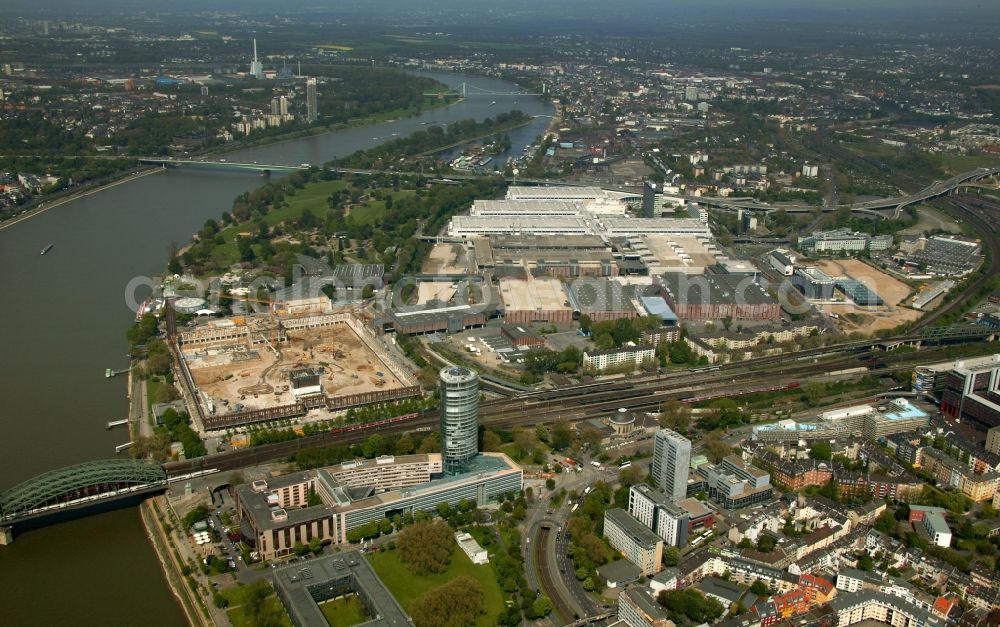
303	585
715	288
624	521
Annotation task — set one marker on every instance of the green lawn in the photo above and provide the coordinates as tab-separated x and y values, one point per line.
345	611
407	587
238	619
371	211
151	388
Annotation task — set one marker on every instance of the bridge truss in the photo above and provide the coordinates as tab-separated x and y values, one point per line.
89	480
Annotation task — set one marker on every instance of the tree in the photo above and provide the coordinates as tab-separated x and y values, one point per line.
158	364
457	603
244	245
716	447
550	484
259	609
315	546
404	445
524	442
541	432
561	435
374	446
166	393
491	441
540	608
759	588
766	543
676	415
814	392
671	556
426	546
821	451
430	444
630	476
300	549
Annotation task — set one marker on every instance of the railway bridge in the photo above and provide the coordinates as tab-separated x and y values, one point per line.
76	490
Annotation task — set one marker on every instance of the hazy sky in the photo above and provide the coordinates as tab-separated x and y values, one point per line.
869	12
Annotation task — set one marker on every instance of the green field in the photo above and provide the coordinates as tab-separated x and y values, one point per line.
963	163
407	587
345	611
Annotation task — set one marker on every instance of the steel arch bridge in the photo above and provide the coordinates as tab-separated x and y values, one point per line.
89	481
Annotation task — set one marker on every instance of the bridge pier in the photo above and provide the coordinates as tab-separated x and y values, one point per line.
6	536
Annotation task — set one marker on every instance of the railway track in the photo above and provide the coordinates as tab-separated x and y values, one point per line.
582	402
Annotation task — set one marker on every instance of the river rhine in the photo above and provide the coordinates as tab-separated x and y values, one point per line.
62	322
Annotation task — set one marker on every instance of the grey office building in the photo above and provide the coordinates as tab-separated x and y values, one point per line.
649	191
459	417
671	460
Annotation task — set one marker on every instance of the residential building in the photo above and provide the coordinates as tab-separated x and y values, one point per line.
637	608
671	461
853	580
659	513
866	605
312	113
993	440
636	543
618	357
932	519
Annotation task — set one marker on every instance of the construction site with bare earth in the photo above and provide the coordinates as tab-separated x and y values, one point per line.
247	369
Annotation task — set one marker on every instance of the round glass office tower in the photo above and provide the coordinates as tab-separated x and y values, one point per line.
459	417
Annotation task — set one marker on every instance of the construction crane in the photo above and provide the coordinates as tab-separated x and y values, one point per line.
273	327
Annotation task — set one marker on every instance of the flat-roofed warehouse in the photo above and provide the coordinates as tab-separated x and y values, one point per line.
619	227
561	192
535	300
715	296
604	299
538	208
472	226
444	318
567	256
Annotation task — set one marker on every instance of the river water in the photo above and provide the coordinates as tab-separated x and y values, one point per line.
62	323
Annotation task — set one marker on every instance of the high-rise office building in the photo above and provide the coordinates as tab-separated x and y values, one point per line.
649	190
459	417
671	460
311	113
